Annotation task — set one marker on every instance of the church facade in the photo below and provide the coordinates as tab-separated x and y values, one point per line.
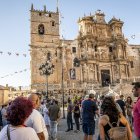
100	54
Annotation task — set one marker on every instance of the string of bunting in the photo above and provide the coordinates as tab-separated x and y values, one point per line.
16	72
10	53
135	36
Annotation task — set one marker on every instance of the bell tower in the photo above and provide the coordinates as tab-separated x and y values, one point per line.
44	33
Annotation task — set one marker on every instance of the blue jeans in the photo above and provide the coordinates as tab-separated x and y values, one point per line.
53	130
69	121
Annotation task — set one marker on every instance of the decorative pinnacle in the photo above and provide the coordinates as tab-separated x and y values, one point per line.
32	7
44	8
57	9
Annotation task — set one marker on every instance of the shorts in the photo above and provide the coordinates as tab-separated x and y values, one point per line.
89	128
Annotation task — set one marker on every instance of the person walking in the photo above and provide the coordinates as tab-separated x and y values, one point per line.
54	114
17	112
89	109
136	109
122	104
76	112
4	115
129	107
69	116
36	120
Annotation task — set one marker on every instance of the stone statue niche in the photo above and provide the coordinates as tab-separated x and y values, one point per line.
83	53
122	70
90	50
116	71
85	72
104	54
120	51
91	72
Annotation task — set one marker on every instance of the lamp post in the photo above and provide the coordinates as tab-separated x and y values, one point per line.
46	69
62	82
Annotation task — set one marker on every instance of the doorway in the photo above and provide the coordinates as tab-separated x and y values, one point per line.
105	77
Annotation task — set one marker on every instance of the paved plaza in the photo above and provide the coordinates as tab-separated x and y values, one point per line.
72	135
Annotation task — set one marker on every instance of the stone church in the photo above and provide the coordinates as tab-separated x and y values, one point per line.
100	54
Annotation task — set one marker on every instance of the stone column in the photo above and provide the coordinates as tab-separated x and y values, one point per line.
95	72
128	72
112	77
97	68
82	73
88	73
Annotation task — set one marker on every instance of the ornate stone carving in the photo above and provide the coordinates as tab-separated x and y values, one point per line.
83	53
122	69
116	69
84	72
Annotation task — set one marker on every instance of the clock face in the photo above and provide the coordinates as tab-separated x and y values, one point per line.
41	29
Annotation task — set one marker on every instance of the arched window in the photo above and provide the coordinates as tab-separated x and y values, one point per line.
41	29
53	23
95	48
110	49
131	64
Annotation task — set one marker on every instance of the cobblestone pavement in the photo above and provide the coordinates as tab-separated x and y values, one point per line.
72	135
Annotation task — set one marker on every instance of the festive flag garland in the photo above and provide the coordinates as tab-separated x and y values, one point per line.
134	36
10	53
16	72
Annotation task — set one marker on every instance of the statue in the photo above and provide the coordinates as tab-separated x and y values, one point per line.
83	53
84	72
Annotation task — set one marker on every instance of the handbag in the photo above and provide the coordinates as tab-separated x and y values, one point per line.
118	132
8	133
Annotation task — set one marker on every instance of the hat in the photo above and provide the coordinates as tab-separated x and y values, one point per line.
136	84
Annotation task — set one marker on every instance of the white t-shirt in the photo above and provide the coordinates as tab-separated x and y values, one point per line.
36	121
19	133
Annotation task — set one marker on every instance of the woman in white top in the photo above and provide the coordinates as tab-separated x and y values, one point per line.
18	111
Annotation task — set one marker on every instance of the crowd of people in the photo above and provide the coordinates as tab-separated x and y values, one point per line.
117	117
30	119
24	120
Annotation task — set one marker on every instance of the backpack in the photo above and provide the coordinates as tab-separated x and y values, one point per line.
118	132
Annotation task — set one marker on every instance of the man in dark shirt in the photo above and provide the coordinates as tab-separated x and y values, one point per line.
76	111
89	110
69	116
122	104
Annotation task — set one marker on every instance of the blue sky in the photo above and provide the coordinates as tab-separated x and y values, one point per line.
15	29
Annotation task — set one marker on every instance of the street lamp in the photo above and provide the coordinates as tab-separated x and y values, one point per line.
46	69
62	81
